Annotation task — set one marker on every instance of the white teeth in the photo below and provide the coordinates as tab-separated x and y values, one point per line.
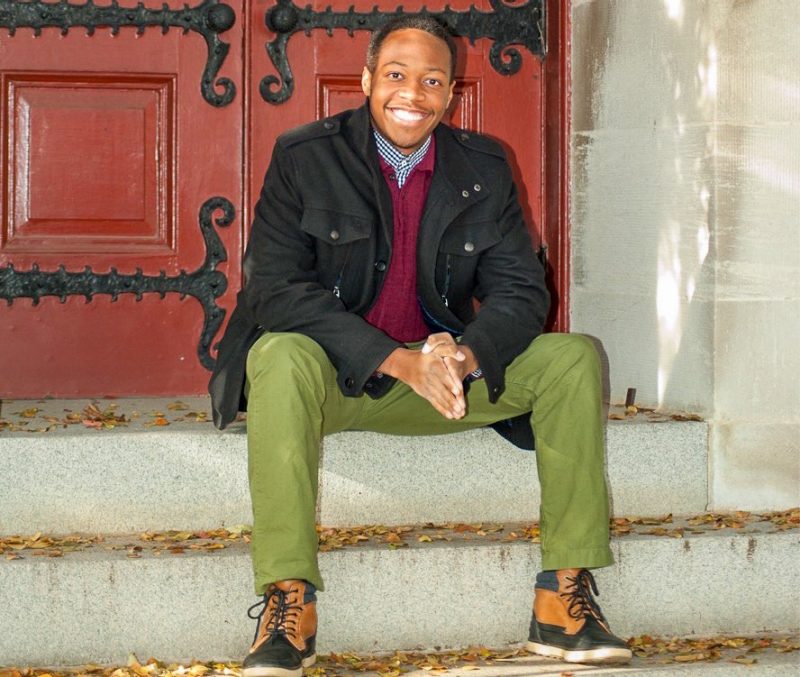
407	115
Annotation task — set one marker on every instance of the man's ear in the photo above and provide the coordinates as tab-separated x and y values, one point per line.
366	81
450	94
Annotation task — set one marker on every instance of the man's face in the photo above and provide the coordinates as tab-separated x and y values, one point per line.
410	89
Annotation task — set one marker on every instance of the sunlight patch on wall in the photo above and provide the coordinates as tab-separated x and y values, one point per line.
708	73
668	303
774	175
675	10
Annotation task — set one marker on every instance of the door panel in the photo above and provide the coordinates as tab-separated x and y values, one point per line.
50	117
110	151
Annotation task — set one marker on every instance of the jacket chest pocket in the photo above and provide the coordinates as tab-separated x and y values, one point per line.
460	250
339	241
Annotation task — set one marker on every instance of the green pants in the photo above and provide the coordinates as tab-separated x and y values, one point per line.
293	401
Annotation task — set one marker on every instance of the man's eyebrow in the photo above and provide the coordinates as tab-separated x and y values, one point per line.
429	69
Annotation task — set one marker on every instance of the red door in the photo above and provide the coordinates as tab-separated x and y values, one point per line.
115	144
110	151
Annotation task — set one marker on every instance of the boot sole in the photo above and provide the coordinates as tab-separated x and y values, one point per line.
601	655
274	671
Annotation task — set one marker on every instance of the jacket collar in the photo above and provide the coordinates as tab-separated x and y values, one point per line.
453	186
453	164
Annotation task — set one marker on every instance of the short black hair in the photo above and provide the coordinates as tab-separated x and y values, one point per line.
419	23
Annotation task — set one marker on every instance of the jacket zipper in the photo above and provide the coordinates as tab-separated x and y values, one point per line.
337	292
433	322
446	282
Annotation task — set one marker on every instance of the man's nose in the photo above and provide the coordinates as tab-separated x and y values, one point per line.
411	91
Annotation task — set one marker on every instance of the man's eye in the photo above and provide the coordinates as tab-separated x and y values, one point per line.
394	76
433	82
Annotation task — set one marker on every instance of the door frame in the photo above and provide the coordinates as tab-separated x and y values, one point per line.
557	132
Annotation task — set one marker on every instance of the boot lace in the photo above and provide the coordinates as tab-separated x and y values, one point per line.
282	616
579	597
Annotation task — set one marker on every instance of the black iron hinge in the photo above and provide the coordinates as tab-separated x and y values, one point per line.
506	24
209	19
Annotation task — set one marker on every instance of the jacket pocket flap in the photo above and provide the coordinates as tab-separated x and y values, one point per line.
470	239
335	228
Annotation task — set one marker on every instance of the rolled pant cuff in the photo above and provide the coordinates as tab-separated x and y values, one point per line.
310	574
577	558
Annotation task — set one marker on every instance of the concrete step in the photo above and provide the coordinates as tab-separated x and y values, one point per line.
99	604
771	663
774	661
188	475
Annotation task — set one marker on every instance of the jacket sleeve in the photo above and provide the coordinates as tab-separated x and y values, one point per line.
282	289
513	296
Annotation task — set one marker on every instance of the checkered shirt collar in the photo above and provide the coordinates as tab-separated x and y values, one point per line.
403	165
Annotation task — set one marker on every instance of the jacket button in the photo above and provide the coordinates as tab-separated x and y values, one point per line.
380	266
392	176
464	193
328	124
369	386
349	382
334	235
469	247
464	137
476	187
495	390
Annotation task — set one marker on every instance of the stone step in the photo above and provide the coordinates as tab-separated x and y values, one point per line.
776	662
188	475
100	604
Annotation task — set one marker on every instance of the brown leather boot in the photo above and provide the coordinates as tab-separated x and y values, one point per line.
568	624
286	634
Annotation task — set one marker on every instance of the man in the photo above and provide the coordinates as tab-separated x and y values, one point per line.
374	232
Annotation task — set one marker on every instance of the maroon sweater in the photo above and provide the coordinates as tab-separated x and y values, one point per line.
397	311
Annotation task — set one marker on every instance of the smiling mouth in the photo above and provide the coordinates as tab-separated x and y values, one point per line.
405	115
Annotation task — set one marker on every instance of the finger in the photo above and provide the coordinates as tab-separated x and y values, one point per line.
454	372
442	401
438	341
441	337
449	351
443	390
457	388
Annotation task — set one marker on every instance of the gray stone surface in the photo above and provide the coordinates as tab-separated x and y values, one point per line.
98	606
772	663
190	476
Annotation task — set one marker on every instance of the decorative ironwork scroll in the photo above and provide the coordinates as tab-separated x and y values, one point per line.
206	284
209	19
507	25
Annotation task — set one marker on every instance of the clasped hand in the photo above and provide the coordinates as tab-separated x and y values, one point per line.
436	372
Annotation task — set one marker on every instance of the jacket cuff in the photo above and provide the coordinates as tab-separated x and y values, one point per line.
488	360
355	375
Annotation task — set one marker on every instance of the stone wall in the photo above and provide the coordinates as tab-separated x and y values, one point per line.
686	222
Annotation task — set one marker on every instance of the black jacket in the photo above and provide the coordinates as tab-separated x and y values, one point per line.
321	244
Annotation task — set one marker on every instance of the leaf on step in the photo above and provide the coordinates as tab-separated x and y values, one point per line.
158	421
686	417
691	657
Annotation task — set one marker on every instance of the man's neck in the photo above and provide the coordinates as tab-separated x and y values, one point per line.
402	164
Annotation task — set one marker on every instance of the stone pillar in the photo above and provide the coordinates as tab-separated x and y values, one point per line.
685	166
